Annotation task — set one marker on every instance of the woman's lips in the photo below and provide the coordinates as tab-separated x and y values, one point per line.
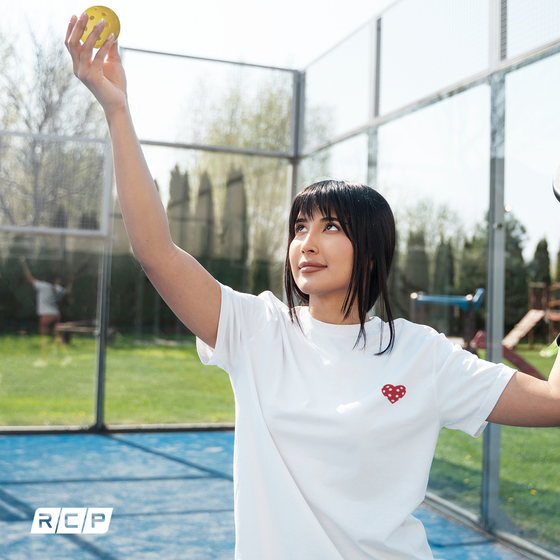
307	267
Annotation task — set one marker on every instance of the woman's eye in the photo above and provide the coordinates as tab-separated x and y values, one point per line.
332	227
300	228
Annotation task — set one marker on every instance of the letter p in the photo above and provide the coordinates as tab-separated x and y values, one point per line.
98	520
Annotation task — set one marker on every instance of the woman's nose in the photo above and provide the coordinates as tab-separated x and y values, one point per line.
309	245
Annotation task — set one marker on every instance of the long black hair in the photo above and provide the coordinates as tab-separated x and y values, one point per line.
367	220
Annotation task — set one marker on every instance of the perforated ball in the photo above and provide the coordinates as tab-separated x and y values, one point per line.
112	24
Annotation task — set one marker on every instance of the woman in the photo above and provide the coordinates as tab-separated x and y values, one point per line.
337	415
48	296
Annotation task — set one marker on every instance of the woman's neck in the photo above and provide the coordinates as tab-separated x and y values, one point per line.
329	310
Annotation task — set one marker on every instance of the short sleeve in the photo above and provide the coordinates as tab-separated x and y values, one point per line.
39	284
242	317
467	388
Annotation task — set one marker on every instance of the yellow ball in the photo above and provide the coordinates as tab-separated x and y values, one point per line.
112	24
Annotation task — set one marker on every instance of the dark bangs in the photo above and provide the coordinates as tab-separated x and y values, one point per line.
367	220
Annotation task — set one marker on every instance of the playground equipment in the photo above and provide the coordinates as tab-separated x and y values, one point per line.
469	303
542	305
479	341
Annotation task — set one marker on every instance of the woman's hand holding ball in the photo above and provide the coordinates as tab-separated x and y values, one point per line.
103	74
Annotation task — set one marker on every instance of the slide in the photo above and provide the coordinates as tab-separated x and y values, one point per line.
479	341
532	317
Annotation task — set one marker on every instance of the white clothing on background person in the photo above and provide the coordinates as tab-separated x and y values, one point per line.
48	296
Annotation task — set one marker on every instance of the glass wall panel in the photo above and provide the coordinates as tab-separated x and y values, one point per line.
531	25
47	183
428	45
433	168
185	100
347	160
529	475
229	212
338	95
48	365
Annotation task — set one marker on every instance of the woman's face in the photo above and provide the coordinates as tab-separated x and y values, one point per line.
321	257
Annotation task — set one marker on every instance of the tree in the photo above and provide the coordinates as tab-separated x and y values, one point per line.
257	120
40	176
474	265
516	273
444	284
444	270
417	272
539	268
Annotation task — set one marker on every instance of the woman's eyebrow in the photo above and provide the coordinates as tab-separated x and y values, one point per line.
323	219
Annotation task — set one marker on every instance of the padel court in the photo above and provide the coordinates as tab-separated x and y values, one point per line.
171	494
413	103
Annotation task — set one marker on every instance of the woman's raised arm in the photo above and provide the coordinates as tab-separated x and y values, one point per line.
527	401
189	290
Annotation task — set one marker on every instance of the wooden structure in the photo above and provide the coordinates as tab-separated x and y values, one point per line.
544	304
552	314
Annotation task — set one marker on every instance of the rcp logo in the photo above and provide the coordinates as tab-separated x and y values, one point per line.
72	520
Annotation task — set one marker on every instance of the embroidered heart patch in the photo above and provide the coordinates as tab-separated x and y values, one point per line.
394	393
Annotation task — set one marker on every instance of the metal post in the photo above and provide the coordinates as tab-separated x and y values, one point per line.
372	157
377	68
375	51
103	314
491	515
103	299
297	139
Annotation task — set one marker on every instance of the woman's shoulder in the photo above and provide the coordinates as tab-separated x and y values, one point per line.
415	336
265	302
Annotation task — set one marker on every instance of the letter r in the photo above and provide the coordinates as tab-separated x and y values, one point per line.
47	520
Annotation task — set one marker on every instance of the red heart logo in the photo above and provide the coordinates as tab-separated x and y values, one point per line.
394	393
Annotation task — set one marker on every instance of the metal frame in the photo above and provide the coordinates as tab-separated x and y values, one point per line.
296	109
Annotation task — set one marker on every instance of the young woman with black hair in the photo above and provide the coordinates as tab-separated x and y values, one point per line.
337	413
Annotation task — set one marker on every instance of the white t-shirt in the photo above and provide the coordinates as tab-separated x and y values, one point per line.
48	296
333	445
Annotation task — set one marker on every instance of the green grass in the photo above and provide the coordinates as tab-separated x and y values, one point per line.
160	384
144	384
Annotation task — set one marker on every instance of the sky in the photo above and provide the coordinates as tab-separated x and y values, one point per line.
291	33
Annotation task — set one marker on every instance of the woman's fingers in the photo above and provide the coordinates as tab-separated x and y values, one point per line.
76	28
73	20
87	50
114	55
103	52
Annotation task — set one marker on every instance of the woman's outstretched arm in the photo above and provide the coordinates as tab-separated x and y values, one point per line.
189	290
527	401
27	272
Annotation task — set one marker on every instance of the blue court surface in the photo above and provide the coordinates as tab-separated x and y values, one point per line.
171	494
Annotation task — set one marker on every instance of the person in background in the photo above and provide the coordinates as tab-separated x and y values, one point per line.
48	296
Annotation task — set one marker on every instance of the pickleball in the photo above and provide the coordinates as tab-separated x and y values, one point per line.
112	24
